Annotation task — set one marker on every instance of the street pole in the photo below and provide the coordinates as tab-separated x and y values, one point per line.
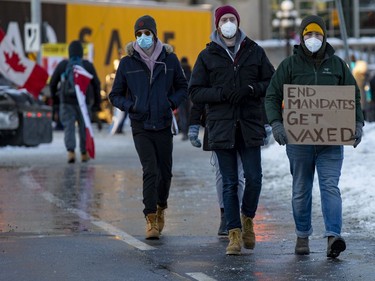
344	35
287	37
36	17
286	19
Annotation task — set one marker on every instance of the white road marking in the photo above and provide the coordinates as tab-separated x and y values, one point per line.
30	182
200	276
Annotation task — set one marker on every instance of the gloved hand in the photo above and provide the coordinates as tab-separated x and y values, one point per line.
193	135
240	94
226	94
358	134
279	133
268	129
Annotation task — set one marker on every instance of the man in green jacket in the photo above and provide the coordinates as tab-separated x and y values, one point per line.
313	63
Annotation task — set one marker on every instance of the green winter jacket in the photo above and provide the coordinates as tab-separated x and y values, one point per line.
299	69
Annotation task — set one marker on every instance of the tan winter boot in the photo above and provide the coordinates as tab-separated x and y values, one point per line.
71	157
234	246
85	157
152	229
248	235
160	214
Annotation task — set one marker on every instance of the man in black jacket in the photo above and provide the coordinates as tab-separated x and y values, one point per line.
231	76
69	110
150	84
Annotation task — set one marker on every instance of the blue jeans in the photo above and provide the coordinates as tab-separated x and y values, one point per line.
327	160
69	115
219	180
251	162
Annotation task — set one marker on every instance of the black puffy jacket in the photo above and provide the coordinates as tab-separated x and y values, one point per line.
214	71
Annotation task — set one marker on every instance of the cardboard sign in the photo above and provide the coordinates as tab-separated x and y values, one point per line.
320	115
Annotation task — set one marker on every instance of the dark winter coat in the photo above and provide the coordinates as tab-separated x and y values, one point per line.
149	103
214	71
300	70
93	97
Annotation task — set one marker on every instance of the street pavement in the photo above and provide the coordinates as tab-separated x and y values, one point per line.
84	221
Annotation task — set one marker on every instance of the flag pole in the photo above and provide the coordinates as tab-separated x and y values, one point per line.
36	17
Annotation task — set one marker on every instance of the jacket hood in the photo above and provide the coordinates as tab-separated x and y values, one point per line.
130	49
319	21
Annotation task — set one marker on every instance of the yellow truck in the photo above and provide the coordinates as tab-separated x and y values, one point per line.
109	25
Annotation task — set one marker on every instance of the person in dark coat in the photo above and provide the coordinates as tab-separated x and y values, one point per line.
313	63
69	110
370	107
184	108
231	76
150	84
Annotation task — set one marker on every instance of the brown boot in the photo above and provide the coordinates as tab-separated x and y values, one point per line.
152	229
160	214
234	246
248	235
71	157
302	246
85	157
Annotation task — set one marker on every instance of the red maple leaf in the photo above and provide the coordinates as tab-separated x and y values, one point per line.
14	62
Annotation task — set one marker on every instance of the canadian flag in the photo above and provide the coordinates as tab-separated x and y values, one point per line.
82	80
19	69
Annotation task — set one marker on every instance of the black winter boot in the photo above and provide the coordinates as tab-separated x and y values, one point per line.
335	246
223	225
302	246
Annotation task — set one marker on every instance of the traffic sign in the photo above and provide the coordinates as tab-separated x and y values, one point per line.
32	37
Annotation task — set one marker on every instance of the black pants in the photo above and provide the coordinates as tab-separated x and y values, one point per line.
154	149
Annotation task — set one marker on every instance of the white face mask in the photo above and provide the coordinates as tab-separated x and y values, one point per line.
228	29
313	44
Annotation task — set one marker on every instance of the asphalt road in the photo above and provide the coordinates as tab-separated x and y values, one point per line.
84	221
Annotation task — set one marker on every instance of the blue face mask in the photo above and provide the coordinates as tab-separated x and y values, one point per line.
145	42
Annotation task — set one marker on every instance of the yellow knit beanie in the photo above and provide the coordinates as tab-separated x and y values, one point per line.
313	27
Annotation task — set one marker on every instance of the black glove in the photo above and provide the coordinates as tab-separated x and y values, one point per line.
239	94
279	133
358	134
226	94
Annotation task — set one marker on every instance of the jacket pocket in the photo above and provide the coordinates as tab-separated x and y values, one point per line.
220	133
220	111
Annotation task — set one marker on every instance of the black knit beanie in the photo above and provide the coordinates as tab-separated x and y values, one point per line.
75	49
146	22
319	21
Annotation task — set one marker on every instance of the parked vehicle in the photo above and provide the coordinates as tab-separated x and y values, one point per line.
24	121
